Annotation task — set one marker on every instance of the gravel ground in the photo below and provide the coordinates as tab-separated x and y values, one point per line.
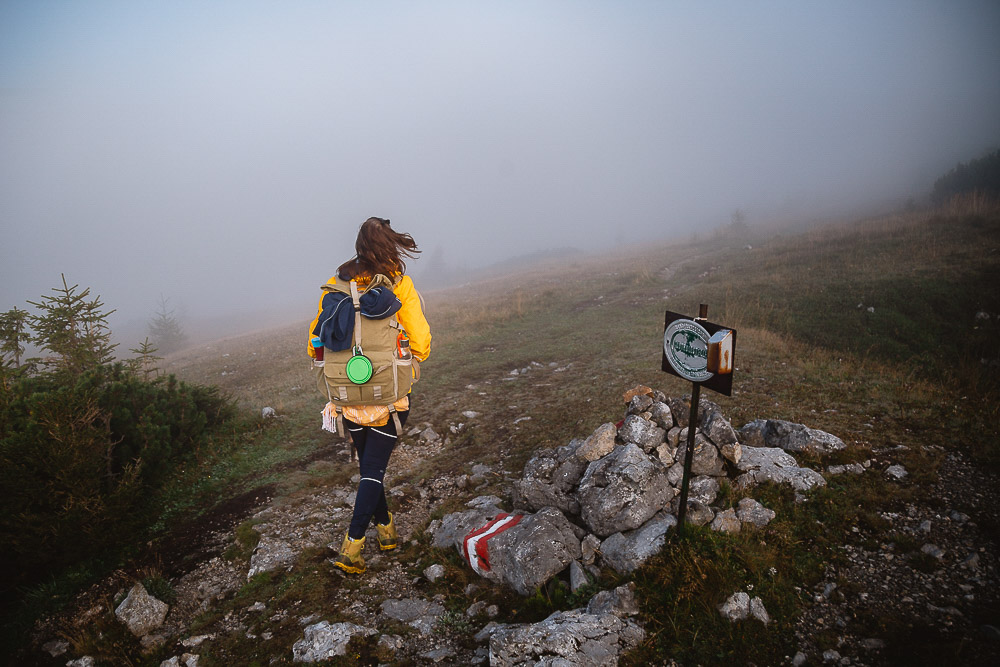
923	591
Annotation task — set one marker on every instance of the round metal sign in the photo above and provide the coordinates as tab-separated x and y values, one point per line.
685	343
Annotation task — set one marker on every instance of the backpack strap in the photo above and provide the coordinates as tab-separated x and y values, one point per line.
356	299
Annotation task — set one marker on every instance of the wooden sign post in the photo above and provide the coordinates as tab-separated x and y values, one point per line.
704	353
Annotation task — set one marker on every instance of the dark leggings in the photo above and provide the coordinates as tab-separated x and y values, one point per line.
374	445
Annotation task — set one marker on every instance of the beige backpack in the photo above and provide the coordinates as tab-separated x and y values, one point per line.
378	369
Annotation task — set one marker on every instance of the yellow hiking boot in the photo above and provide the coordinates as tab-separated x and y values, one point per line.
349	559
387	538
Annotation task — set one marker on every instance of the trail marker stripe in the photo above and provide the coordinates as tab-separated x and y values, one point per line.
474	546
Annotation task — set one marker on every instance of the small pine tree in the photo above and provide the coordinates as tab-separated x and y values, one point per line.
13	336
145	363
738	222
165	330
74	328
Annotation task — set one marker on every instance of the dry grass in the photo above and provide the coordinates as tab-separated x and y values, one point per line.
972	203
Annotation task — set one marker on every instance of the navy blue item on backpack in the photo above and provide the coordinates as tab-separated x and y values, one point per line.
336	323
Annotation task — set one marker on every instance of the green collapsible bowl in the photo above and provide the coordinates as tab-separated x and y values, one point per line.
359	369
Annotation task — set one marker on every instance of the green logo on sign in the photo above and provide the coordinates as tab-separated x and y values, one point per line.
685	344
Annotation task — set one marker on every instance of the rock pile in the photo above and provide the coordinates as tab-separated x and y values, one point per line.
614	495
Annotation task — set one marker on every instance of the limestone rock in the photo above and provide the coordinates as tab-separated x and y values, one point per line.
270	554
789	436
56	647
752	433
638	390
933	550
726	521
535	489
551	475
437	655
620	602
667	453
675	475
896	471
626	551
325	640
565	638
739	606
757	611
642	432
848	468
577	577
751	511
703	488
588	548
771	464
434	572
622	490
639	404
680	408
698	513
718	429
661	415
415	612
452	529
599	444
706	459
141	612
732	453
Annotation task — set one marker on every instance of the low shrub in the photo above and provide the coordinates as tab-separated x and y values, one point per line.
80	456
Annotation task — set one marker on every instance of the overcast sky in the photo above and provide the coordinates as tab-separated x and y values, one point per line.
224	153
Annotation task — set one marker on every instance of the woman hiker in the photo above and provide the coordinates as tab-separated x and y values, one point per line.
373	428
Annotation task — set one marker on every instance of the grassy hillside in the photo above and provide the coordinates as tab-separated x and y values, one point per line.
867	330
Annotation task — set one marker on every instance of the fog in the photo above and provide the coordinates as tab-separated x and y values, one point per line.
223	154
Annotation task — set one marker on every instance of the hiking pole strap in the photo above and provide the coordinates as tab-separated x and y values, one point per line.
339	421
395	420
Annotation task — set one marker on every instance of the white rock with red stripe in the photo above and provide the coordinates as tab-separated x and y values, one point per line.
522	551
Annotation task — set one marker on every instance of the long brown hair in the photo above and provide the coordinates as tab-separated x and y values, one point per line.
380	250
